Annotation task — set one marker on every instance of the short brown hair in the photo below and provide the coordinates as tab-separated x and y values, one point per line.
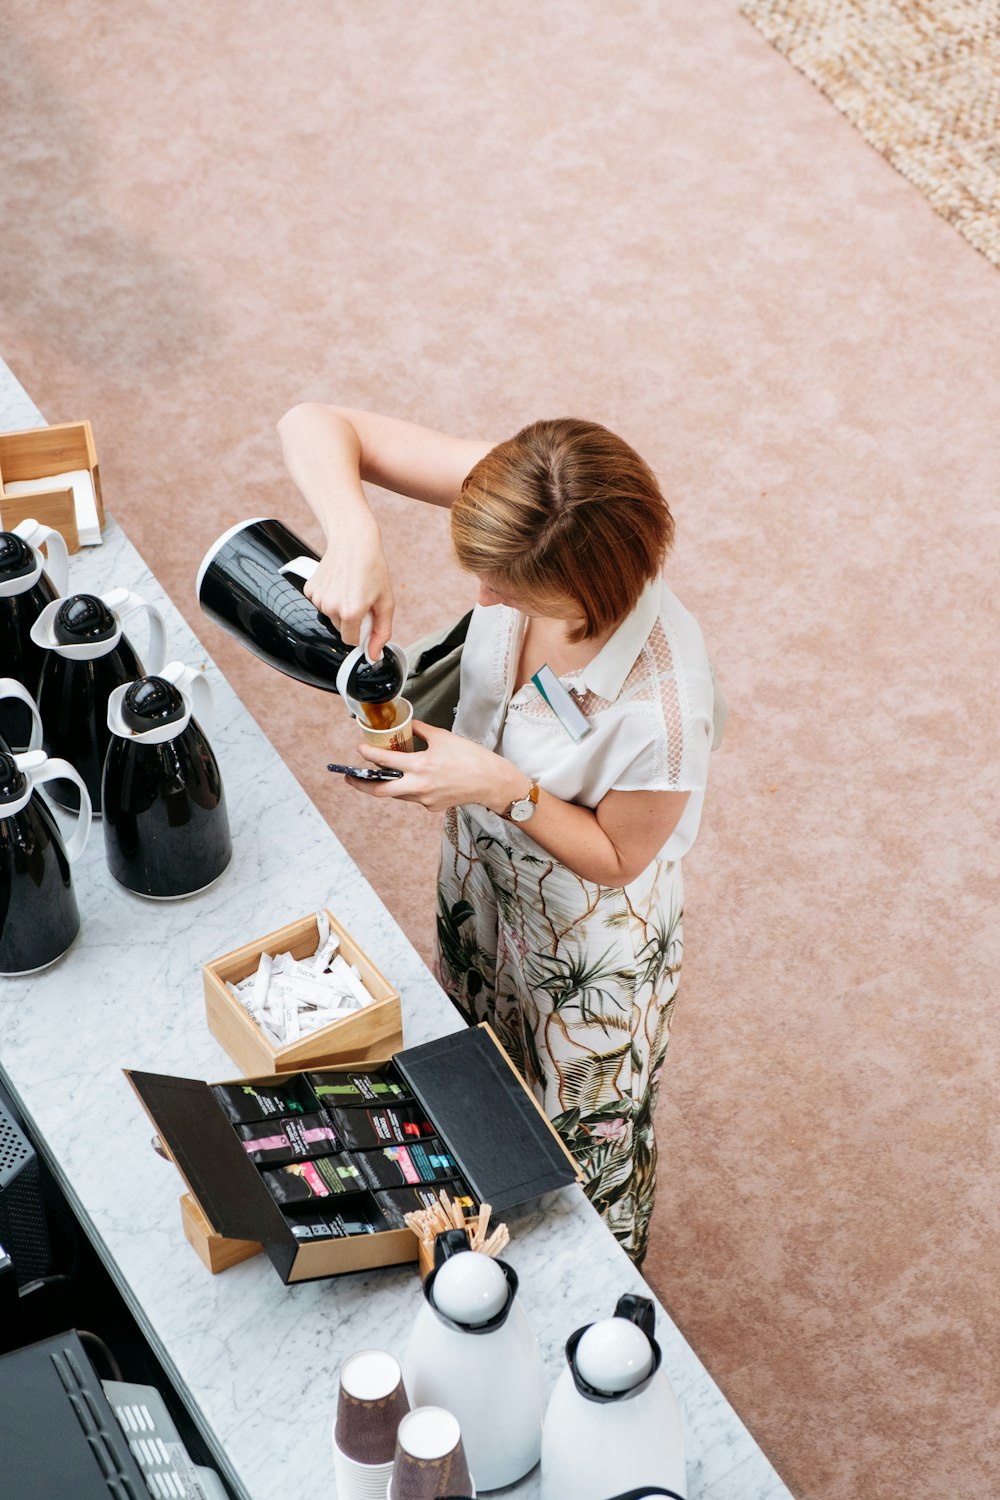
565	510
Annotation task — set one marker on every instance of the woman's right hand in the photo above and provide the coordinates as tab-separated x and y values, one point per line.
329	451
351	581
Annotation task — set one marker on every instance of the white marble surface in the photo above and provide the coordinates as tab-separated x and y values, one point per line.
255	1361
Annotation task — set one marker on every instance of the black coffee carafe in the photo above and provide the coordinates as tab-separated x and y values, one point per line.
250	583
27	584
38	912
166	831
86	656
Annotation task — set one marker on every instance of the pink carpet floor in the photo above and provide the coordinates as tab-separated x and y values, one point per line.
636	212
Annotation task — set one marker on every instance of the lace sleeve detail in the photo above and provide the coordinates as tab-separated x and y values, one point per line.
674	758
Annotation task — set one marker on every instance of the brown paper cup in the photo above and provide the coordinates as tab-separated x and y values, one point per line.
430	1458
370	1407
399	737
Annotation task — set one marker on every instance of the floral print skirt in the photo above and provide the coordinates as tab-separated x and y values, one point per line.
578	982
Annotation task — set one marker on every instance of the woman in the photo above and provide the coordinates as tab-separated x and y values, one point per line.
560	894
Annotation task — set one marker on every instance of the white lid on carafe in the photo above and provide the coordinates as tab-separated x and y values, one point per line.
470	1288
614	1355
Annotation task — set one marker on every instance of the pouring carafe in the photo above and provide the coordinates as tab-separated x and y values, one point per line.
86	656
38	912
250	583
166	832
28	582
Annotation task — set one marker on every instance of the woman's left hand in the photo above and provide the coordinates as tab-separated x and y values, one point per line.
450	772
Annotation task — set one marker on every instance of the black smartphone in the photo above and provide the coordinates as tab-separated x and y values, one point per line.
367	773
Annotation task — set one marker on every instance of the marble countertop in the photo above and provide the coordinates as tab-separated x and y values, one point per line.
256	1362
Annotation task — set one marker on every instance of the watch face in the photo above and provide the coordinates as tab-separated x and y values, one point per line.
521	811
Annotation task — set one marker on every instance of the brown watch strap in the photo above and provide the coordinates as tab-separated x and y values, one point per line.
531	795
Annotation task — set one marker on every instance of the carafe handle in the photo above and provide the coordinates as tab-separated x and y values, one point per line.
448	1243
304	568
637	1310
124	602
11	688
57	562
40	769
193	682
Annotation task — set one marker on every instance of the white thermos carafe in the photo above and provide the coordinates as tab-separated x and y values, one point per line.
472	1351
613	1425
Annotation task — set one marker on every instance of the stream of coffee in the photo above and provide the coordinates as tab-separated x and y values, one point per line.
380	715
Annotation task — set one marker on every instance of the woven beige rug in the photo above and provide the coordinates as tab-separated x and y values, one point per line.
921	80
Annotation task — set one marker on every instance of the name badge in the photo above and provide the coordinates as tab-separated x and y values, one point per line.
561	703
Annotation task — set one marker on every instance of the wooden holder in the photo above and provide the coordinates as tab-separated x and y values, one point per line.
392	1247
37	452
367	1035
215	1250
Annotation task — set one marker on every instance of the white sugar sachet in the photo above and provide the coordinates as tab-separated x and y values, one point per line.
285	966
310	990
284	995
261	980
243	990
324	955
349	983
272	1033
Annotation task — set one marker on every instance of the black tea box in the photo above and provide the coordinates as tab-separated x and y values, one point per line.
305	1181
396	1203
362	1129
359	1214
245	1103
398	1166
332	1089
273	1143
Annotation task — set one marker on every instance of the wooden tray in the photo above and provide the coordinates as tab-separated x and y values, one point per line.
366	1035
36	453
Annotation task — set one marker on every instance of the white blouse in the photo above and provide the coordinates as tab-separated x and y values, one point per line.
647	694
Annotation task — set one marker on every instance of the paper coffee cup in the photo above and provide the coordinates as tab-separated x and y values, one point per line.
430	1457
399	736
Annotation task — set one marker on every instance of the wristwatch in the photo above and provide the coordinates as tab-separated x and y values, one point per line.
523	808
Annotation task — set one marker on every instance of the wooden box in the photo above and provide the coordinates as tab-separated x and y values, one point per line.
36	453
506	1150
370	1034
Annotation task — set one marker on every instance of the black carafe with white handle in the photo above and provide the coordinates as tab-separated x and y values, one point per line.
38	912
14	691
250	582
28	582
87	655
166	831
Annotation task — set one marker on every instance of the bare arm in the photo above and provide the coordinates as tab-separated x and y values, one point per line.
610	845
329	451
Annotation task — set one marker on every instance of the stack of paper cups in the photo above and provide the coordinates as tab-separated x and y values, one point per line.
371	1404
